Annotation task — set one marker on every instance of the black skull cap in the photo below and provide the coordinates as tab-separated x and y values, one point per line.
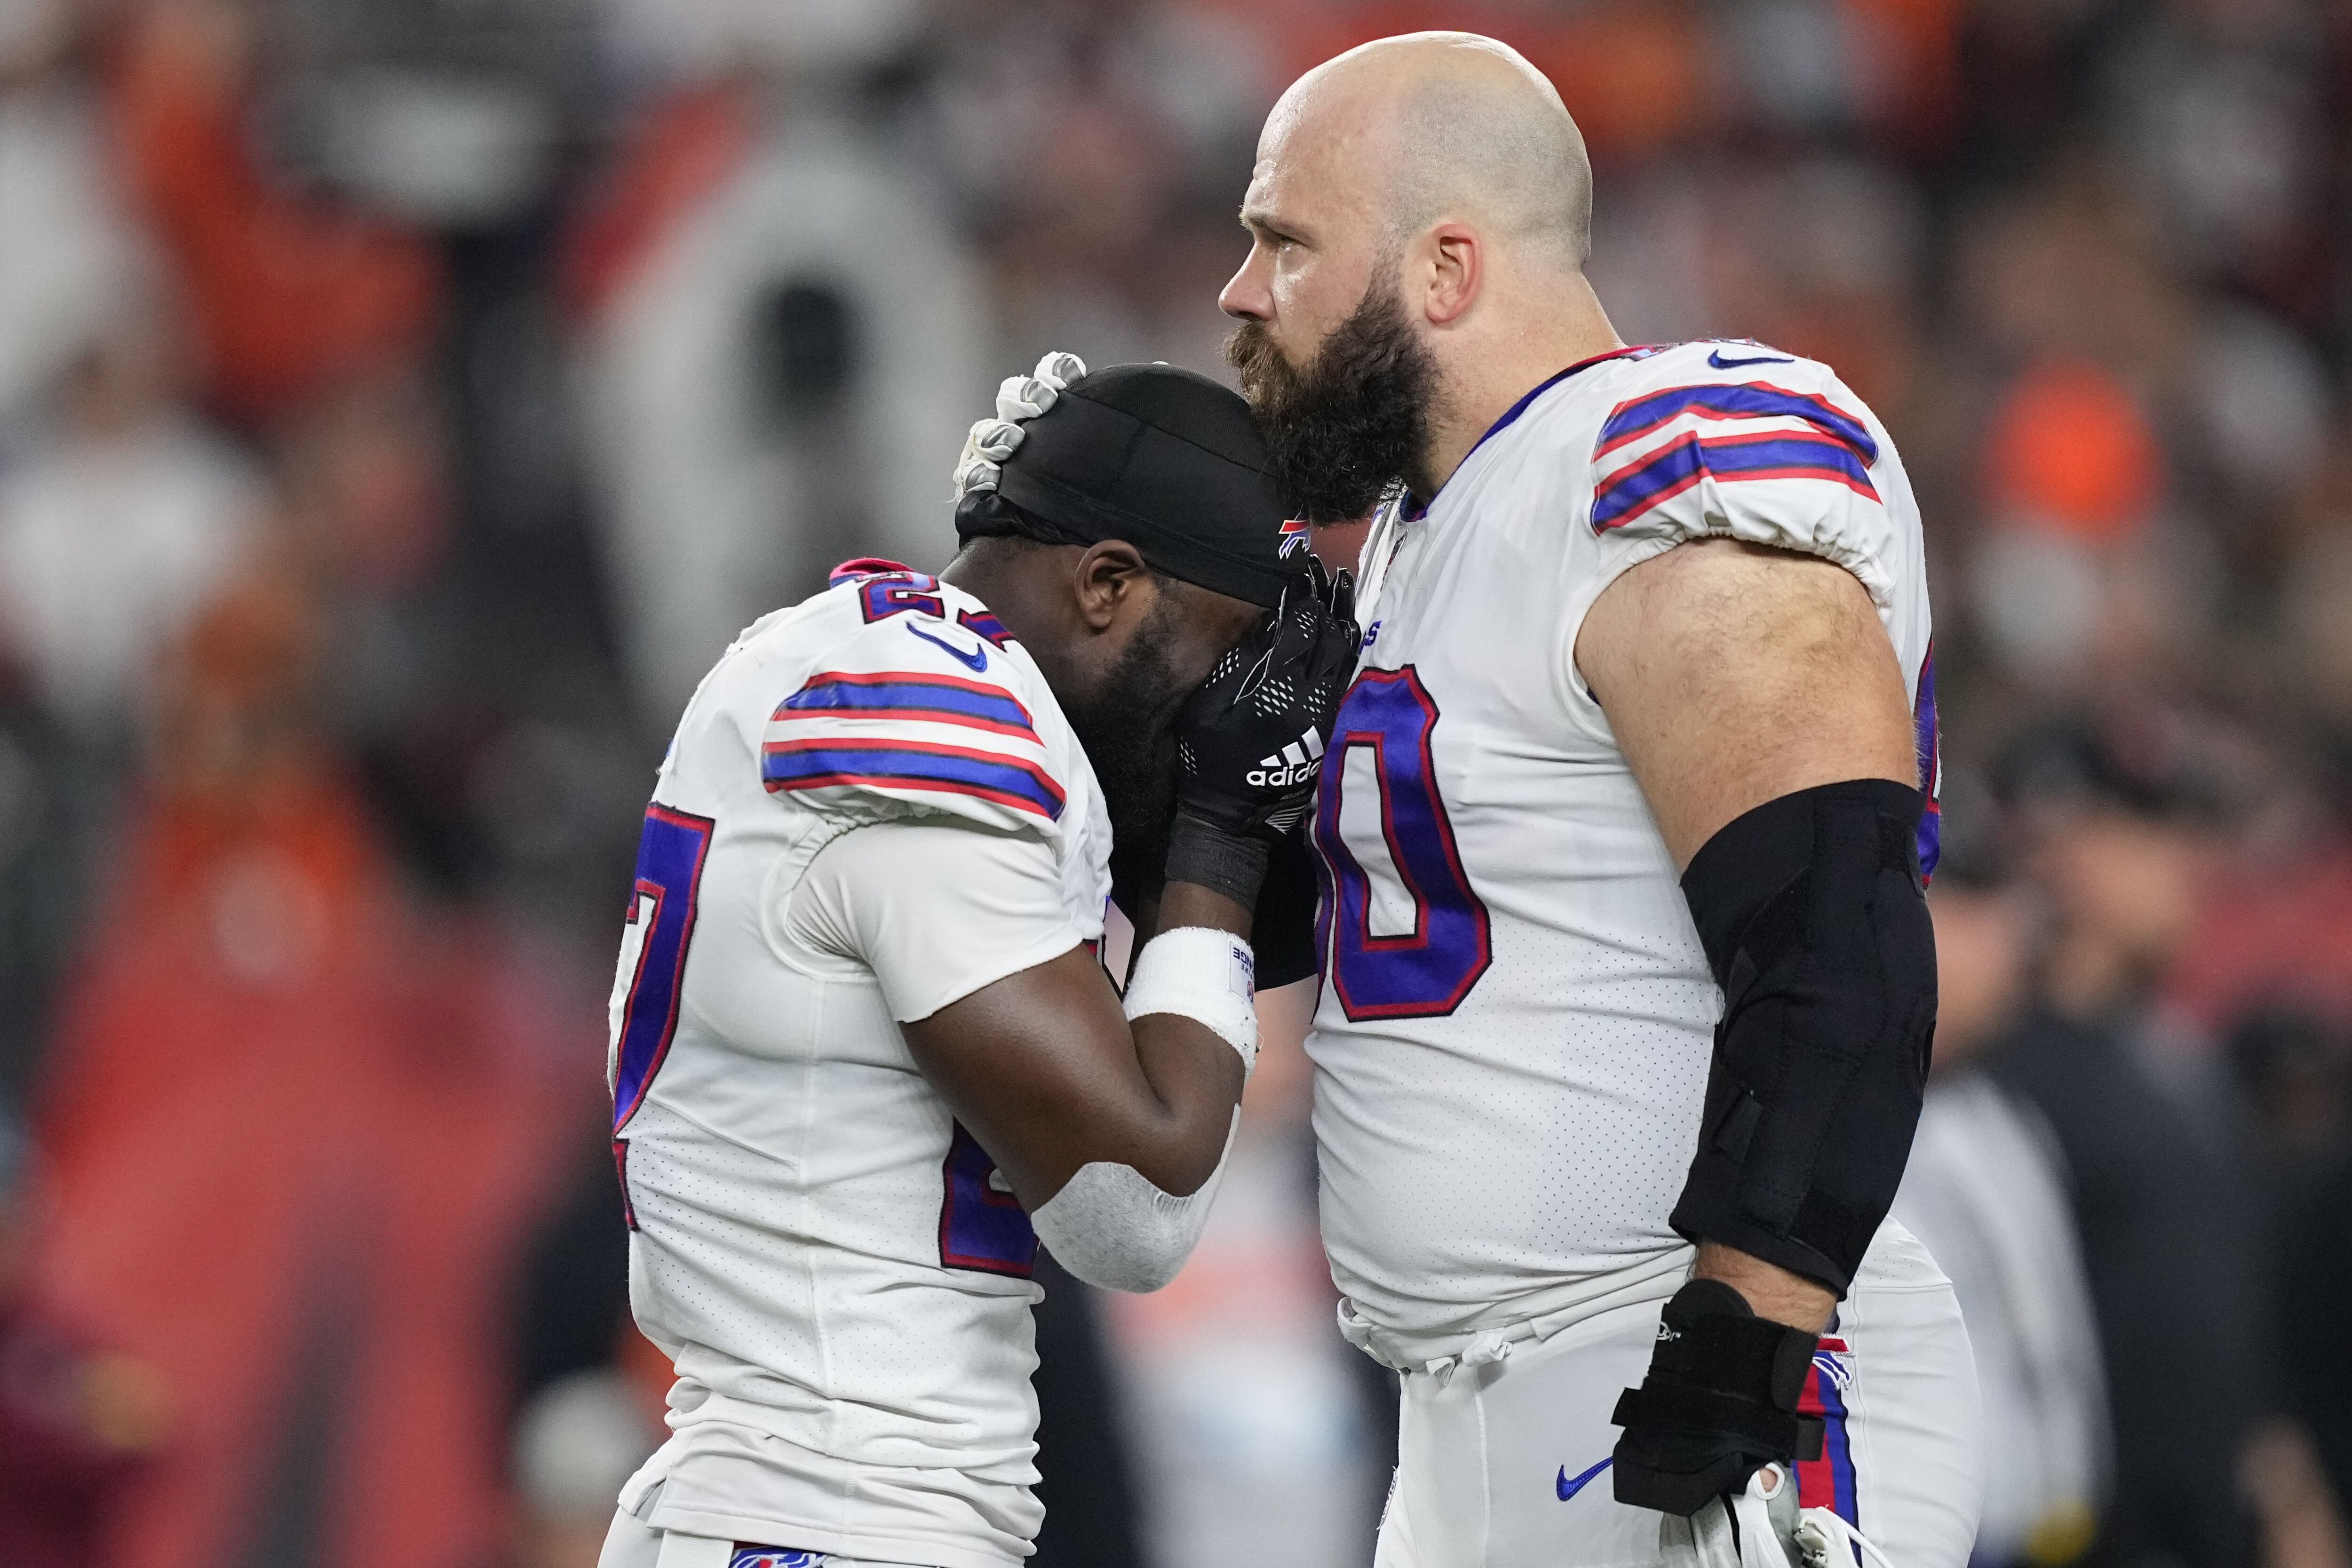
1164	458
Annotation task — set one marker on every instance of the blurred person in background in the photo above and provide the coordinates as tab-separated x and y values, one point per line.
295	1121
1986	1190
72	260
123	517
2277	932
121	513
290	291
78	1424
2293	1065
778	334
2113	831
2070	577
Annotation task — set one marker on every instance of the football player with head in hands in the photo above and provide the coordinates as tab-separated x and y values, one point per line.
865	1056
1629	984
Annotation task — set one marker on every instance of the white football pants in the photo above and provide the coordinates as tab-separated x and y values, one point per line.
1505	1464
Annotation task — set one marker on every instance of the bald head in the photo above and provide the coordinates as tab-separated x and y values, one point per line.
1419	218
1431	126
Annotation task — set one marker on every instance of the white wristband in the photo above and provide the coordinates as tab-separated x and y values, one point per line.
1204	975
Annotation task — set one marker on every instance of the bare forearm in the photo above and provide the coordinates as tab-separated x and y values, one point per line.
1195	1076
1196	1079
1191	904
1771	1290
1156	1093
1165	1110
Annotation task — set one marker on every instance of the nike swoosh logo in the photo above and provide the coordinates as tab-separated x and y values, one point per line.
1569	1488
1716	360
976	659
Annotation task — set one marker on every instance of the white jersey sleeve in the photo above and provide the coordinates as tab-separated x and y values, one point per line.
911	715
935	907
1784	459
1738	441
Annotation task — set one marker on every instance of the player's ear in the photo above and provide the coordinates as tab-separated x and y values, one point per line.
1109	577
1456	262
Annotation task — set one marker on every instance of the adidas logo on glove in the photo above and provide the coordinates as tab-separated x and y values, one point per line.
1294	764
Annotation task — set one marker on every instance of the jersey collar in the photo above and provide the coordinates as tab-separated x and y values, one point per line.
1416	509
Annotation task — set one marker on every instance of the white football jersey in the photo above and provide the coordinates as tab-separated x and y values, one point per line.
1512	1042
832	1263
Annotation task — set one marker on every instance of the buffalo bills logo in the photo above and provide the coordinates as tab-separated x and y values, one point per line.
773	1557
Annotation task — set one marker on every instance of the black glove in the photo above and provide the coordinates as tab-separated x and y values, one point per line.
1719	1404
1250	742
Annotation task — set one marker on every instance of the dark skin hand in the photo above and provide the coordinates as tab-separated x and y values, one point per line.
1046	1072
1043	1067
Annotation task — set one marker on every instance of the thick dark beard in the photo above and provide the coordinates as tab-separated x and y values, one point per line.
1123	726
1356	419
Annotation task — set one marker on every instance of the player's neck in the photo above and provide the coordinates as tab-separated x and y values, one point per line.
991	570
1522	348
989	576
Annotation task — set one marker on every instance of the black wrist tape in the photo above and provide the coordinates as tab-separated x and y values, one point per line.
1811	912
1232	864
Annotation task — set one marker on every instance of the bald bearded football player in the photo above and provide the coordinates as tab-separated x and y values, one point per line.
1628	985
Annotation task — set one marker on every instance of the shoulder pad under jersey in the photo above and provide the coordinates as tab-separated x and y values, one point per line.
918	708
1740	440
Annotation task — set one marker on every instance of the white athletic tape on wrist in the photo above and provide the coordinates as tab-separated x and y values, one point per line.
1204	975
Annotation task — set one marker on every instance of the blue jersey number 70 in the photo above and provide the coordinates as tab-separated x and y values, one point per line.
1427	970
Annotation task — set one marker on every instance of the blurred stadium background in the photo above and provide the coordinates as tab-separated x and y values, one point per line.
402	402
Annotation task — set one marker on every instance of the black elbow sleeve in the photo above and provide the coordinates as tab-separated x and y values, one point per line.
1812	912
